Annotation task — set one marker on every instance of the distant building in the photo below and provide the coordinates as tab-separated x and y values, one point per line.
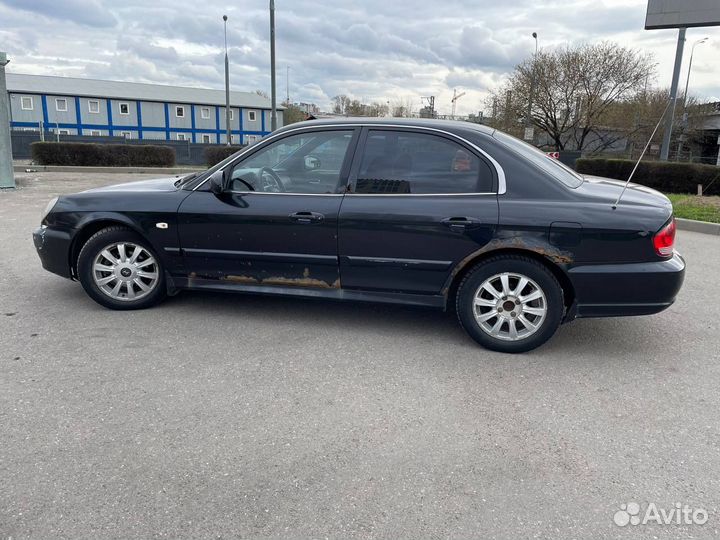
74	106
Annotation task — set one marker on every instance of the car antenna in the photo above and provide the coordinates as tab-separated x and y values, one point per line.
614	206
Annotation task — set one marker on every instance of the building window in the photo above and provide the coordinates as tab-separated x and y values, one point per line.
182	137
63	132
232	114
180	111
126	134
124	108
252	116
206	138
205	113
95	133
61	104
26	103
94	106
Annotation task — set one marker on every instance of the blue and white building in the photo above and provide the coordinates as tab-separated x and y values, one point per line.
90	107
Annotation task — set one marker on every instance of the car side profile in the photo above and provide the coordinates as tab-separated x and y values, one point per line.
450	215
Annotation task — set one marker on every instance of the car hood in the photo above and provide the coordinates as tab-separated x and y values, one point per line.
606	189
156	184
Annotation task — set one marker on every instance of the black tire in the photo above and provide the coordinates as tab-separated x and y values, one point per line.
514	264
94	246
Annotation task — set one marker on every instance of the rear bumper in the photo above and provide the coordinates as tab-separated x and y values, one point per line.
53	248
618	290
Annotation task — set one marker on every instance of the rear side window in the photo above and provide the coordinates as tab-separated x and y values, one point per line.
400	162
551	166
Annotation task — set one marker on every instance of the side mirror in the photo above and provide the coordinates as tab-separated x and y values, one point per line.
217	182
312	162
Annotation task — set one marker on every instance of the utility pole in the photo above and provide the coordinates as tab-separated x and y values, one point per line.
431	104
228	132
529	130
665	150
273	94
7	177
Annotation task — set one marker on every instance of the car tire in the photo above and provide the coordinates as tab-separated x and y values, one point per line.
119	270
510	303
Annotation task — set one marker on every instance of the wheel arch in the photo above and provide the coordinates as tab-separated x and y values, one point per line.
89	227
471	262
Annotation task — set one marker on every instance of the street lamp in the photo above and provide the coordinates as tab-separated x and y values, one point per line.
687	82
683	137
529	135
273	94
228	132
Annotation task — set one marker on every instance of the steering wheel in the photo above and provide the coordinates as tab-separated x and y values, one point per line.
270	181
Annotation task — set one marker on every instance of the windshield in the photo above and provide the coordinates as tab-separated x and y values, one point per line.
553	167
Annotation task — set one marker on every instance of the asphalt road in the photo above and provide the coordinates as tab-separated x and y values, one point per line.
235	416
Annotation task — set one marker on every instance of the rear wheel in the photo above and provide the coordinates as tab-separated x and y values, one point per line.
119	270
510	304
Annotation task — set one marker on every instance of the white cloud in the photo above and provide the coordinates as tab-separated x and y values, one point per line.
373	50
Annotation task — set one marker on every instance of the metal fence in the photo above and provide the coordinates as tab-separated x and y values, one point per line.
186	152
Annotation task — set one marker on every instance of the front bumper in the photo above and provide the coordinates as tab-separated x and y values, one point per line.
53	248
616	290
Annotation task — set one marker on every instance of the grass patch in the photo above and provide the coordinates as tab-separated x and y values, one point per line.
694	207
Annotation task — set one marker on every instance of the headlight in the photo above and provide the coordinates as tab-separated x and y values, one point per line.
48	208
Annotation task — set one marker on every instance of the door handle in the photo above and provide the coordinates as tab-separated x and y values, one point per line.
460	224
307	217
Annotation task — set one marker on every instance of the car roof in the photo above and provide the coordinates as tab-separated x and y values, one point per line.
448	125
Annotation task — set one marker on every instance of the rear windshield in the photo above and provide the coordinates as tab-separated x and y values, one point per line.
553	167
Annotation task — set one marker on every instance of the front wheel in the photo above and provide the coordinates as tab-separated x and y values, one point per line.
119	270
510	304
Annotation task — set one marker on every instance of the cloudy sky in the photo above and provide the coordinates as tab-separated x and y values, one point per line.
369	49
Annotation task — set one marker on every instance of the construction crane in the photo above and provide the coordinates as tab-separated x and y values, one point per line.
455	97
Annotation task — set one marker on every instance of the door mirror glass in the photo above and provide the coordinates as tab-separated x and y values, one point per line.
312	162
217	181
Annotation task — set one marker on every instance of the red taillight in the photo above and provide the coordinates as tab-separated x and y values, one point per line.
664	239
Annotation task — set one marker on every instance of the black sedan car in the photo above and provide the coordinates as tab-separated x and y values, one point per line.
428	213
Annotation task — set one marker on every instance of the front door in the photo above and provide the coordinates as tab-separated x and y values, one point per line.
419	203
276	224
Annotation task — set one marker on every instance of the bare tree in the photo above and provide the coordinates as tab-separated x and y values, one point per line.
340	104
573	91
402	107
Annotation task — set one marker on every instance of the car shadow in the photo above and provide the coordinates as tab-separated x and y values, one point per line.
616	337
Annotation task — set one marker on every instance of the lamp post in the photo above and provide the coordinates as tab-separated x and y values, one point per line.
7	177
228	132
273	94
682	138
687	81
529	131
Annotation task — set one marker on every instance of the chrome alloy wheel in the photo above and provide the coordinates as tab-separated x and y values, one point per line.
125	271
509	306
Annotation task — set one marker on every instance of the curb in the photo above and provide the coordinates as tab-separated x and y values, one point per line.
120	170
698	226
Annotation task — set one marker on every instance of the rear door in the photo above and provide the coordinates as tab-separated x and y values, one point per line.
418	203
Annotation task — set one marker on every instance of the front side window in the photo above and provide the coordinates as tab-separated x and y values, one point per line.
403	162
26	103
551	166
61	104
308	163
